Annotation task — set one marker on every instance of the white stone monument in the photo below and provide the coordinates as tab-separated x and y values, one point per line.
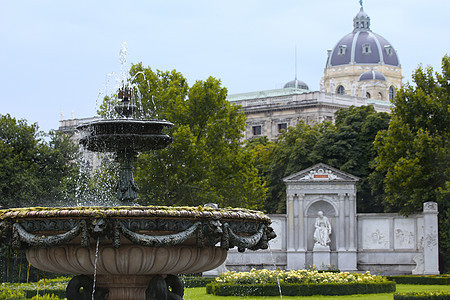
333	192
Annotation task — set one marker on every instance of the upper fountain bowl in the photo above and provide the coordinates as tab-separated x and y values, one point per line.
116	135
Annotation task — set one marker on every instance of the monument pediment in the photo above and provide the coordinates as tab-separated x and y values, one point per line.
320	173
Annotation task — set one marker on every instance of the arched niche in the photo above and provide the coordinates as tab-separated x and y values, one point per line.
330	212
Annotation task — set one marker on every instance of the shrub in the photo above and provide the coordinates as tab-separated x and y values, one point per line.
57	294
56	286
421	279
191	282
46	297
11	294
422	295
295	289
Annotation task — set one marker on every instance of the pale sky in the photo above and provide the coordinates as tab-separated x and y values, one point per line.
56	54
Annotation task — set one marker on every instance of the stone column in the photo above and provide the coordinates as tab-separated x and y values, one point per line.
341	234
290	221
347	257
352	222
430	247
295	256
301	223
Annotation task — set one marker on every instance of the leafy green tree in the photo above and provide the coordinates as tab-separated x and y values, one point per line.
414	152
348	146
290	153
31	167
206	161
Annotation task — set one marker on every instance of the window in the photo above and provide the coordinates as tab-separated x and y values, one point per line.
391	93
282	126
380	96
366	49
342	49
368	95
340	90
389	50
256	130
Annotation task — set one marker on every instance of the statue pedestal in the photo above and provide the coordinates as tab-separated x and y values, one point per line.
321	256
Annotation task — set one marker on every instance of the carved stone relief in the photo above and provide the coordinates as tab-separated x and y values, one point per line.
430	206
418	259
320	175
404	233
431	239
404	239
375	234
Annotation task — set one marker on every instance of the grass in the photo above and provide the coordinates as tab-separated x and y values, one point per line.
200	294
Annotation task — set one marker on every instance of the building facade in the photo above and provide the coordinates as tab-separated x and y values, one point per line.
363	68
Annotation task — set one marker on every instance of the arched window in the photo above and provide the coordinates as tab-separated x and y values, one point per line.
366	49
340	90
391	93
380	96
368	95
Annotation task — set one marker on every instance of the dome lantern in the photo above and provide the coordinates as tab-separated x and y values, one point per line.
361	22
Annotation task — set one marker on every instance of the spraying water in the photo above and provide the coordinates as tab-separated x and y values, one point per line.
95	268
123	61
276	271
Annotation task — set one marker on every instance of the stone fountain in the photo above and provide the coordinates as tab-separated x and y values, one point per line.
130	252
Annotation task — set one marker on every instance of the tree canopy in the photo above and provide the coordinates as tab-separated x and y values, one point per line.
414	152
206	161
32	165
346	145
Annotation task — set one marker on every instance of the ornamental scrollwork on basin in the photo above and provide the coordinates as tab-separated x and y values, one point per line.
209	232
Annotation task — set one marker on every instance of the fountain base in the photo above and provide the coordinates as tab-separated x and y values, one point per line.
124	286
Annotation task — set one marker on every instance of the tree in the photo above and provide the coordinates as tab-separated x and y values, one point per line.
290	154
206	161
32	168
414	152
348	146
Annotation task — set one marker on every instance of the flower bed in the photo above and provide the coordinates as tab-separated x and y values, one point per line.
298	283
422	296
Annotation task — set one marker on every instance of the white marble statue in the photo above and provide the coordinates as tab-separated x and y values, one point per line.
363	91
323	230
354	89
332	86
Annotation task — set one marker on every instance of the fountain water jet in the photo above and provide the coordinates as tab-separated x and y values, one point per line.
141	248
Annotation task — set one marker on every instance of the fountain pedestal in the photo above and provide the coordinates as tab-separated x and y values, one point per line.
124	286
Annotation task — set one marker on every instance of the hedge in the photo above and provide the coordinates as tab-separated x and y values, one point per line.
11	294
191	282
293	289
58	293
422	296
421	279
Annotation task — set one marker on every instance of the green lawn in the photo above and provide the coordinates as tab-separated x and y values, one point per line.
200	294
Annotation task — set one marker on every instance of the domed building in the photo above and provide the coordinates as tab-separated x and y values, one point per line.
362	64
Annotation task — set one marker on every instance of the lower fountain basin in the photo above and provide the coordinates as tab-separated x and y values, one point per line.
135	243
126	260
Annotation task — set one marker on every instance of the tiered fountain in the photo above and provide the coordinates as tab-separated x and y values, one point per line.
130	252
